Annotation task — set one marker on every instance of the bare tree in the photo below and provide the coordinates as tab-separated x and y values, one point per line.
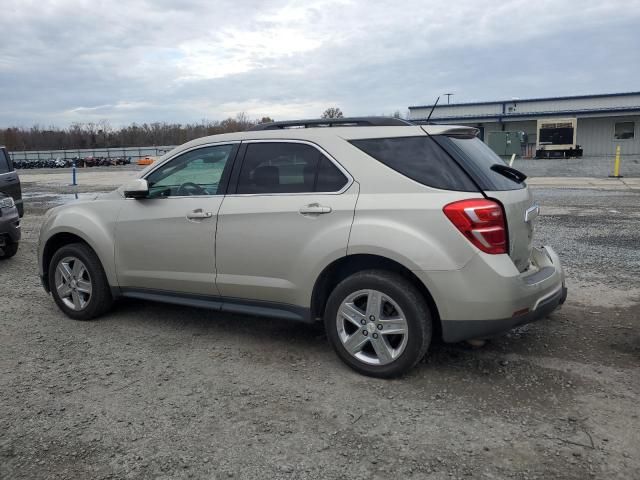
332	112
102	134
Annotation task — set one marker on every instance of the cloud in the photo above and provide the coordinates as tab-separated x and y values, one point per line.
183	60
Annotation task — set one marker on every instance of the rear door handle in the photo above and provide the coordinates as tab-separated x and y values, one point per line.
314	209
199	215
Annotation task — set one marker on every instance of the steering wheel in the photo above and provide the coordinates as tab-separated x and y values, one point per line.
190	188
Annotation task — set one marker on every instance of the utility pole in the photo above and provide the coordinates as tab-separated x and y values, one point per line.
449	95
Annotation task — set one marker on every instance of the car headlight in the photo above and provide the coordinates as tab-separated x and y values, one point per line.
7	202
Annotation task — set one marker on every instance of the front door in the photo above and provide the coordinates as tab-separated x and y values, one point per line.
167	241
289	216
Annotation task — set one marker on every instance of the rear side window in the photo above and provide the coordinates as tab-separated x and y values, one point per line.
5	165
282	167
477	158
420	159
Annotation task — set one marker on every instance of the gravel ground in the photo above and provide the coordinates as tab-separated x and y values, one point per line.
157	391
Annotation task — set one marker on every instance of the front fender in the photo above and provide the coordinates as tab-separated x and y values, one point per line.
93	222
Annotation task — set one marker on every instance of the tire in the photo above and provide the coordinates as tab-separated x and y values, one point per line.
8	251
89	305
399	298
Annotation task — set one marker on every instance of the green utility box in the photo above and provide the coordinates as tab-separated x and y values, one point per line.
506	144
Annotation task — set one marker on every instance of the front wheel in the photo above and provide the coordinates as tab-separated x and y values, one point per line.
78	283
8	251
378	323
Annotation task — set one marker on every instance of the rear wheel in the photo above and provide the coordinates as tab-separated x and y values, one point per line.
78	283
378	323
8	251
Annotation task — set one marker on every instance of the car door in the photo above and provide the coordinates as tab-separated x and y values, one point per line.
166	241
289	215
9	181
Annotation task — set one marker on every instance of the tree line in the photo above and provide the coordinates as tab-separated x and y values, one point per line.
102	135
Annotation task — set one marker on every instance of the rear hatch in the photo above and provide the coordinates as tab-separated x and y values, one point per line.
499	182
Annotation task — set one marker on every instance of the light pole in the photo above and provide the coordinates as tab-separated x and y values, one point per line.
449	95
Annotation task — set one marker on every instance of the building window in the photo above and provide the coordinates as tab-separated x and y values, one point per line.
624	130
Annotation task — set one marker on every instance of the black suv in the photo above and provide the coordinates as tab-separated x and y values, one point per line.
9	180
11	206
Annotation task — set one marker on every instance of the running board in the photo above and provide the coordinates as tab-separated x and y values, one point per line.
221	304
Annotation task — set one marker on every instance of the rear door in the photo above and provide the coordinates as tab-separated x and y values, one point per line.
289	211
477	159
9	181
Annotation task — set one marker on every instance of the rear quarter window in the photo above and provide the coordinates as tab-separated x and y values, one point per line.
477	158
420	159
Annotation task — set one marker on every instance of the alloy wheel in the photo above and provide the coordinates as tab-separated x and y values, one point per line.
372	327
73	283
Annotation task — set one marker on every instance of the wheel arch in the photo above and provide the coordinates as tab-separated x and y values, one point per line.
345	266
55	242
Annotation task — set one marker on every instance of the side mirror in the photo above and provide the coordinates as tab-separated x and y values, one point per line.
138	188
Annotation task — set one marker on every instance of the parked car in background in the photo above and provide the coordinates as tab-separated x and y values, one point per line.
388	232
9	227
9	180
146	161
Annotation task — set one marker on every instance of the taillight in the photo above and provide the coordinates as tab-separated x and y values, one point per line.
481	221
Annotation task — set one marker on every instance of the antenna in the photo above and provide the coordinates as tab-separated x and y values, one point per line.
433	108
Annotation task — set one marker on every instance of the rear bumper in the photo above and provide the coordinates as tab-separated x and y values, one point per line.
489	296
459	330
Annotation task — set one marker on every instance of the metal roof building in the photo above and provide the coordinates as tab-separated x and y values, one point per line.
602	121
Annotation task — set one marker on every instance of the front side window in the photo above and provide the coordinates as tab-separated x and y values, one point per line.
198	172
624	130
281	167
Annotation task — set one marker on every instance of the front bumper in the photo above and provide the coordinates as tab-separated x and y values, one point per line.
9	226
489	296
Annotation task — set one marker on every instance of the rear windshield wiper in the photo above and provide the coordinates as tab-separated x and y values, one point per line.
511	173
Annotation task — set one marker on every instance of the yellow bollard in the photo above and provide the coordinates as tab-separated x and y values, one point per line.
616	165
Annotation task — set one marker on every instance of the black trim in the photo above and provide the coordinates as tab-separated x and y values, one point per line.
223	304
226	173
459	330
540	276
334	122
237	168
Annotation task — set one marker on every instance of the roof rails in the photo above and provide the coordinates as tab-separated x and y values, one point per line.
335	122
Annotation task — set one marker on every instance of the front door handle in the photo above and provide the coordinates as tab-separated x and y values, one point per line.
314	209
199	215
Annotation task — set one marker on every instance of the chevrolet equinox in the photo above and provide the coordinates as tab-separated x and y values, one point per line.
390	233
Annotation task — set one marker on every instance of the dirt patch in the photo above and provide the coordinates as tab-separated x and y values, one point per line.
157	391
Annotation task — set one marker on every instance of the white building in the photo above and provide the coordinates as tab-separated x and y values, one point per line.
603	121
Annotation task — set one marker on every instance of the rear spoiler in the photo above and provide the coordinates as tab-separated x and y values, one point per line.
451	130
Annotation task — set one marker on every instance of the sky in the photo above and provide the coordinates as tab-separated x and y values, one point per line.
65	61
